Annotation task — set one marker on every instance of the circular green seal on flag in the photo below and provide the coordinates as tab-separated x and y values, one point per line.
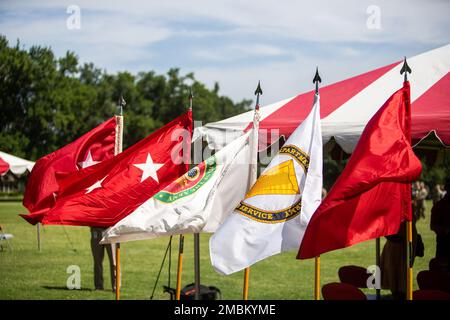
189	183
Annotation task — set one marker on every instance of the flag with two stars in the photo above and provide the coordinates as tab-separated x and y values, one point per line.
42	188
103	194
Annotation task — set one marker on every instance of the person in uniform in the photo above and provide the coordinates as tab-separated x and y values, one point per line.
440	224
394	260
98	252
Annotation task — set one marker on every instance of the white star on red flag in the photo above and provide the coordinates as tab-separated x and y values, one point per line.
96	185
88	162
149	169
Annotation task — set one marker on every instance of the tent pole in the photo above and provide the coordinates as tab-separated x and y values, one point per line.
197	265
38	227
378	263
180	267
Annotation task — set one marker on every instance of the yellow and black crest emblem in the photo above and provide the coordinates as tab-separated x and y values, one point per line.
280	180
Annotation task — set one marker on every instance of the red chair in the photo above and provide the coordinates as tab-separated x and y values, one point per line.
354	275
439	264
342	291
433	280
430	295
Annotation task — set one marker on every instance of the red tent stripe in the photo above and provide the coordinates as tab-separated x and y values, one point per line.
438	100
4	166
332	97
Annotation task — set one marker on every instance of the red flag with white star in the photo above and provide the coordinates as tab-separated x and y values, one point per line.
105	193
42	188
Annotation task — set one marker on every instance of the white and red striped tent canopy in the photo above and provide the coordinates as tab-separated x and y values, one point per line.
347	106
16	165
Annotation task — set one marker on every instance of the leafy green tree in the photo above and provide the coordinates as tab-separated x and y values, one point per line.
47	102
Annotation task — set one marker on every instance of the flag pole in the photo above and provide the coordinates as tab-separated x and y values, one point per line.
409	275
181	241
316	81
317	278
118	149
196	242
409	272
254	174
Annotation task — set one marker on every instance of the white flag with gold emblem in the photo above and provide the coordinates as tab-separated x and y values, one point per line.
274	214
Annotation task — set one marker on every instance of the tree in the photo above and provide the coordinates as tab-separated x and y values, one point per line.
47	102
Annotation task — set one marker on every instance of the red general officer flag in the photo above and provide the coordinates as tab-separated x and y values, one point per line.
372	196
105	193
42	188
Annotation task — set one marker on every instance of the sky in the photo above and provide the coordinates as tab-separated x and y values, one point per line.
235	43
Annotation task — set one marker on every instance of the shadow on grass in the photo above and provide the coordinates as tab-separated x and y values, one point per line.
65	288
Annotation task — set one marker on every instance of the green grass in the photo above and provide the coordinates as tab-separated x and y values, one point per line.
26	273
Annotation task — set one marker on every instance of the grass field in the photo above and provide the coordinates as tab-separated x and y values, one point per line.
26	273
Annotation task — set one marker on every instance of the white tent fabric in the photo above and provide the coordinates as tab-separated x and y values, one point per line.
346	117
17	165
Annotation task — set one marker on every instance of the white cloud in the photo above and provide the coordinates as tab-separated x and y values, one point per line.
281	80
350	52
233	52
236	42
321	21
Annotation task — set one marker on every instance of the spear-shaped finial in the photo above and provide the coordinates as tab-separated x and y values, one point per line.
258	92
405	69
191	96
121	103
317	79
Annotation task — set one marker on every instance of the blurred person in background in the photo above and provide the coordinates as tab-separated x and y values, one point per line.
438	193
440	224
419	195
98	253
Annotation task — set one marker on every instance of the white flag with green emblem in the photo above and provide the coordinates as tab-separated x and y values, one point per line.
273	215
196	202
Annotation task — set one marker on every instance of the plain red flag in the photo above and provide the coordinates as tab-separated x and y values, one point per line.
4	166
42	188
372	196
105	193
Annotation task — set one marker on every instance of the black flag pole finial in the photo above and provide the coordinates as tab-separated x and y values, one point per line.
405	69
317	79
258	92
122	103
